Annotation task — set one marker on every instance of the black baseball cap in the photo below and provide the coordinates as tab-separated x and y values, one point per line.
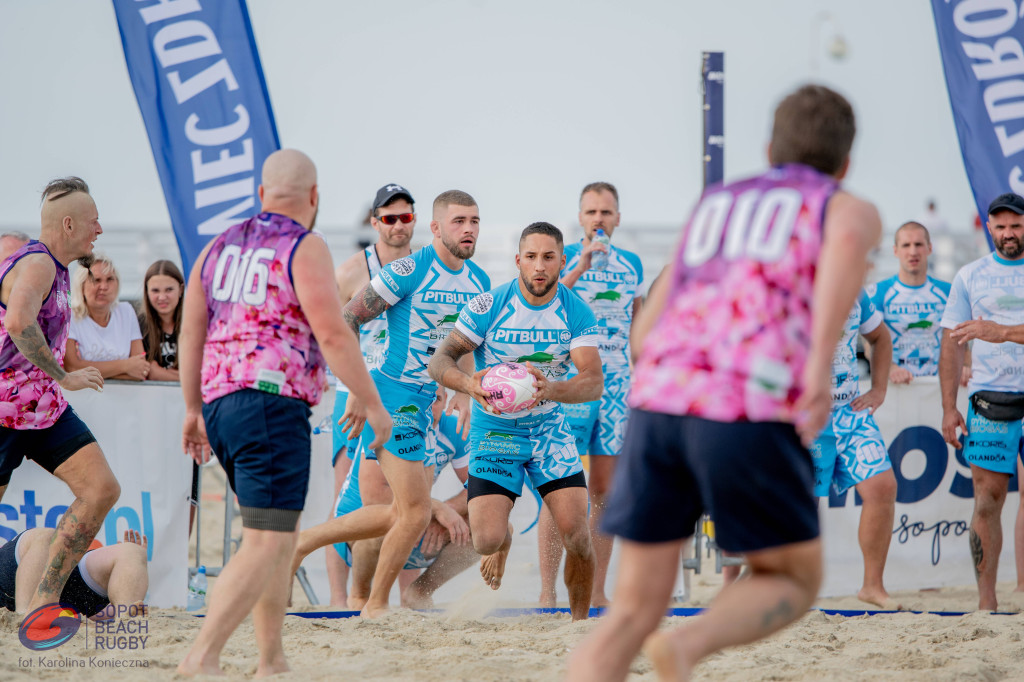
388	192
1007	202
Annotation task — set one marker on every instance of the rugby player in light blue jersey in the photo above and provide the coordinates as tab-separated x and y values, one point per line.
422	295
912	303
535	320
850	452
613	294
393	219
986	304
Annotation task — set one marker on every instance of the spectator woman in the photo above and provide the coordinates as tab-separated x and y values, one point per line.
163	290
104	332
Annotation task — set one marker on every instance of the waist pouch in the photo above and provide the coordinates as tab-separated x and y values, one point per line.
999	406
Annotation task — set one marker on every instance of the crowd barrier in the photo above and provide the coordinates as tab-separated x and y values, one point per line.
139	429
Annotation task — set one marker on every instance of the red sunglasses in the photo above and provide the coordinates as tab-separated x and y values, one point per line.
392	219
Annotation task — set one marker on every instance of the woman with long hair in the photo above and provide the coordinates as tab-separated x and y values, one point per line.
162	293
104	332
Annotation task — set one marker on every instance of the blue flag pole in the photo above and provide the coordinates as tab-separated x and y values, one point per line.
713	89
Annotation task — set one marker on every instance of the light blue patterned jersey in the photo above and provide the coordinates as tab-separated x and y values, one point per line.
991	288
610	294
373	335
508	329
863	319
425	299
912	315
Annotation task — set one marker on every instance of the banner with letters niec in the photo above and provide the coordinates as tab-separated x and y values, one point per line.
198	80
982	46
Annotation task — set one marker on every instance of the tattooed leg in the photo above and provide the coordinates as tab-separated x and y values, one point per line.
95	490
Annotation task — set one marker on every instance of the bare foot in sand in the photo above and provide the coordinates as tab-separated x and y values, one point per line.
492	567
670	661
192	666
548	600
273	668
599	601
879	598
372	611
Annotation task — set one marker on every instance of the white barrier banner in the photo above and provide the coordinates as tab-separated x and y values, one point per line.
139	429
934	503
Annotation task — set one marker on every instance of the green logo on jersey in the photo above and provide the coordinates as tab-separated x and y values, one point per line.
539	356
454	317
920	324
408	409
383	334
498	434
1011	302
609	295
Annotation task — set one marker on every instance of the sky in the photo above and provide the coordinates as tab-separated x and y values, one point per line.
519	103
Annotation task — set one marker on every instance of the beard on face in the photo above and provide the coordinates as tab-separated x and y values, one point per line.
536	290
398	239
1009	247
86	261
457	249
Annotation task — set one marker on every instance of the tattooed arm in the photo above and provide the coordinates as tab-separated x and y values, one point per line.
366	304
444	368
26	287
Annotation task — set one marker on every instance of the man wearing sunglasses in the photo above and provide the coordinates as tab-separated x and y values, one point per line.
393	218
422	294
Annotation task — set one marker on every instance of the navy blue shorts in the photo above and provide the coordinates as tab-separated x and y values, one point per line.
263	442
49	448
755	479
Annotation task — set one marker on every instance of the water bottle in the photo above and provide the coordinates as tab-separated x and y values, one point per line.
599	259
197	590
326	425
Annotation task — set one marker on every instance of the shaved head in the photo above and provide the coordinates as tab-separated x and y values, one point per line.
289	186
77	205
288	173
69	221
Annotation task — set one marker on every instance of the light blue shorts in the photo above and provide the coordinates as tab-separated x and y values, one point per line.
505	451
445	445
599	426
340	439
849	451
992	445
409	406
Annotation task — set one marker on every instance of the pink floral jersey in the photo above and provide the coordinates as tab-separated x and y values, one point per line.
257	335
732	340
29	397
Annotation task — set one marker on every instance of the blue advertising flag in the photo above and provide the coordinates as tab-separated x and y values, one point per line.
983	60
198	80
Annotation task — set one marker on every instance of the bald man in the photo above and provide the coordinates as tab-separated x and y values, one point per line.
261	314
35	419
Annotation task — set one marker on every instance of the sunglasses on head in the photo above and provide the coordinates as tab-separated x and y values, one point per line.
392	219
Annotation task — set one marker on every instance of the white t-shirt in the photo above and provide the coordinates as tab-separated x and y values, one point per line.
113	342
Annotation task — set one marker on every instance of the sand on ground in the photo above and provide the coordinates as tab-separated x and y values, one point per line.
459	641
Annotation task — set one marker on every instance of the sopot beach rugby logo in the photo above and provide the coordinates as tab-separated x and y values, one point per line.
48	627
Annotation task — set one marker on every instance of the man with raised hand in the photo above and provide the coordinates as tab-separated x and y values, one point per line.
393	218
731	386
422	295
985	305
261	314
35	419
614	293
533	316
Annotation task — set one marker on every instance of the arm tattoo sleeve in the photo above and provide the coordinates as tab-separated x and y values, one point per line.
448	354
33	346
364	306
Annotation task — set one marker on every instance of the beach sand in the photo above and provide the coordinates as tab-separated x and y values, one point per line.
460	642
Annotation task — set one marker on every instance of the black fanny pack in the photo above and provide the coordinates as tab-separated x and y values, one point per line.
999	406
